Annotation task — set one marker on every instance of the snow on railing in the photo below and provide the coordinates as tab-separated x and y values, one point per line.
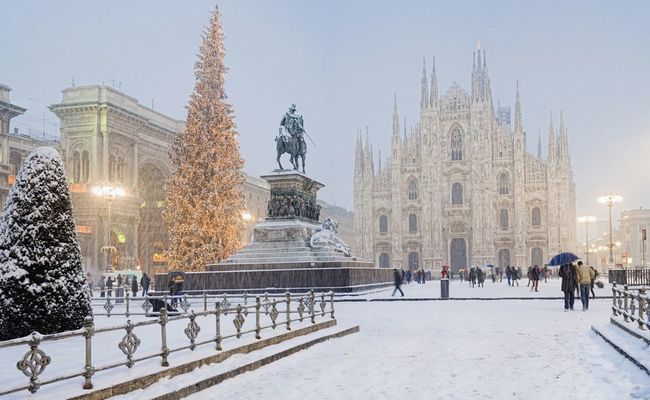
35	360
633	305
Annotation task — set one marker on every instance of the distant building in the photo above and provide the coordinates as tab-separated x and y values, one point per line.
460	188
630	235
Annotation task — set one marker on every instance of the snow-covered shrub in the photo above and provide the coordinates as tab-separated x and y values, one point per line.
42	283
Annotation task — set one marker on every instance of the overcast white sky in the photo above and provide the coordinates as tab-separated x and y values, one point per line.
341	61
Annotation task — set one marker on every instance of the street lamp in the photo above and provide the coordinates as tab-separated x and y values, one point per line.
609	200
109	193
586	220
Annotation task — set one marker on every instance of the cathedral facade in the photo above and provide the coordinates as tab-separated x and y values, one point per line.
460	188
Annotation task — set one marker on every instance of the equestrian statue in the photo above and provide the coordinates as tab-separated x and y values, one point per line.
291	139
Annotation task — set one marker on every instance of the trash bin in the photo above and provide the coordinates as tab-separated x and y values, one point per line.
444	288
119	295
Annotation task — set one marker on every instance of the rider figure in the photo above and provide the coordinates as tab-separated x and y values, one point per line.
293	125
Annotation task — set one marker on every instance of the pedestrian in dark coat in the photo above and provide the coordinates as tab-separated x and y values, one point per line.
534	276
569	277
134	286
398	282
102	287
509	275
596	273
472	276
109	286
144	283
480	277
119	280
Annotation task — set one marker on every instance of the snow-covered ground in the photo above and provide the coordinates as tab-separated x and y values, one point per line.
510	349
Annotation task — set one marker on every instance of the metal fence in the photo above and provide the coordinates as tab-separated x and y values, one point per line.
281	311
630	276
632	304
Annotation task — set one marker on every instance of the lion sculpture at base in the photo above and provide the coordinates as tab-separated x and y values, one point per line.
326	237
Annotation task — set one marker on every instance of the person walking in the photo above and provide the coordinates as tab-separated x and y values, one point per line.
585	277
472	276
534	276
398	282
529	275
567	273
144	283
119	280
515	276
109	286
509	275
480	277
134	286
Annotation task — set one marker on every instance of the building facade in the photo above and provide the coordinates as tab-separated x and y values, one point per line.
460	189
633	245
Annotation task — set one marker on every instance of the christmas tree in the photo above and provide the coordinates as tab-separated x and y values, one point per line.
42	283
204	200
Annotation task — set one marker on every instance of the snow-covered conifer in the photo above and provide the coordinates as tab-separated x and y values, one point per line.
42	283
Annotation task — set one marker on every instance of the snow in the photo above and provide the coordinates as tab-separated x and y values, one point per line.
457	349
47	151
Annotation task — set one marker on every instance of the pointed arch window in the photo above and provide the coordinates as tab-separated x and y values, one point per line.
413	223
383	224
503	219
504	184
456	193
413	189
456	145
76	167
85	165
384	260
536	217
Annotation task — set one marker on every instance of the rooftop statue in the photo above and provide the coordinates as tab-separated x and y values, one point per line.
291	138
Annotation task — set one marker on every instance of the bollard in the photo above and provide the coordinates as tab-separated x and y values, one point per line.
126	314
89	370
444	288
614	293
205	301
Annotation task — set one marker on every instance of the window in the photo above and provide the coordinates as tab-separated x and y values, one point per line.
384	261
504	258
456	145
414	261
85	166
76	167
413	223
536	217
536	256
503	219
383	224
413	189
504	184
456	193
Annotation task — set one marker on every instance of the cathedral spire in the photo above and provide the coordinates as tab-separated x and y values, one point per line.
552	152
358	155
379	159
519	128
563	142
539	145
368	155
424	96
395	119
433	102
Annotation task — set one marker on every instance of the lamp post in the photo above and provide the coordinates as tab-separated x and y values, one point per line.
609	200
109	193
644	237
586	220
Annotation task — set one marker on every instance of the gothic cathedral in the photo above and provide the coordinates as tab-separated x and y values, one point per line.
460	189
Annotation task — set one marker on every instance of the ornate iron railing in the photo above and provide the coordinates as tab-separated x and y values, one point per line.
632	304
281	311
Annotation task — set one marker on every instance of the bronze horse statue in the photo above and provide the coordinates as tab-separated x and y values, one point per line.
295	147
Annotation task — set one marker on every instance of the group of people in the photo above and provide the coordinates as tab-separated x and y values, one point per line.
579	279
106	284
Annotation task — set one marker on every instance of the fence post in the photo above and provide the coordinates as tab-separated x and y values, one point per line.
625	304
312	300
641	297
332	303
288	300
127	304
205	301
89	370
163	335
614	294
258	327
218	315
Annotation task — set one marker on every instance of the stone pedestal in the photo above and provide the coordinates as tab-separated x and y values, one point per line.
280	256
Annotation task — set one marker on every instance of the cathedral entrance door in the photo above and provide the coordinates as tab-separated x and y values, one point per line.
414	261
458	254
